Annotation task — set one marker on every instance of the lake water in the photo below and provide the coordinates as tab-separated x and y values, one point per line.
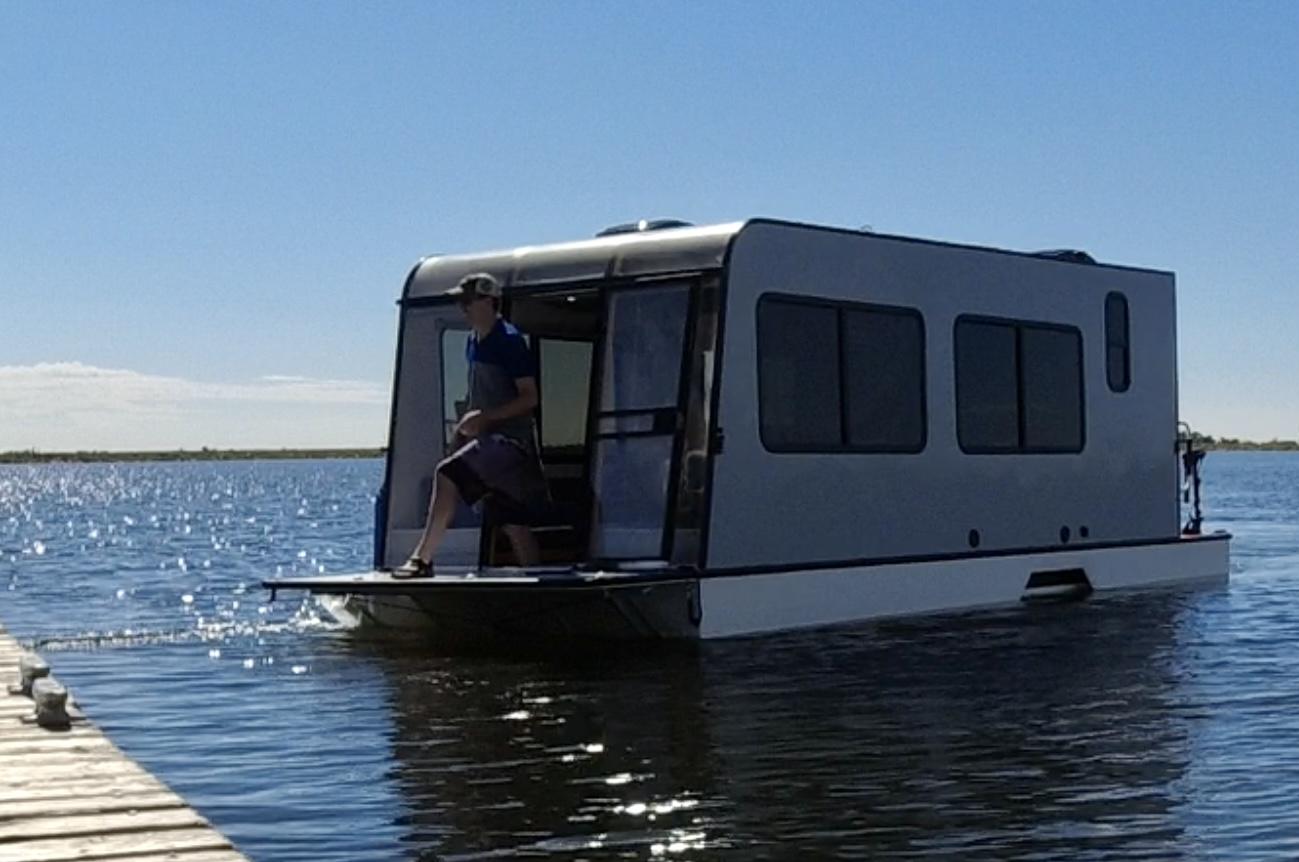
1158	725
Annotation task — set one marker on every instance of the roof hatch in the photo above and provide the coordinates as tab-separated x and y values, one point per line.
644	225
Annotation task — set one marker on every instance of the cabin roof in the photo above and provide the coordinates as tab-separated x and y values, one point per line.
623	255
649	252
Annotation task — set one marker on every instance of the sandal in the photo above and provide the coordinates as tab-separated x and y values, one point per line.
413	568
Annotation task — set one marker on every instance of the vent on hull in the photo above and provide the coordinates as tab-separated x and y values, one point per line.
1057	585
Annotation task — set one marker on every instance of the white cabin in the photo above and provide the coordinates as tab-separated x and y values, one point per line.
798	425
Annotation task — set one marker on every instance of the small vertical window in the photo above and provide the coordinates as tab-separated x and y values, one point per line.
1118	351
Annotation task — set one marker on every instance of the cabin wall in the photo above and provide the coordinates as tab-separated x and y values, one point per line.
792	508
417	430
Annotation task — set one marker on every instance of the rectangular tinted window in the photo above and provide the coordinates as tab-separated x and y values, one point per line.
1118	354
455	381
883	379
1051	374
798	375
648	322
987	401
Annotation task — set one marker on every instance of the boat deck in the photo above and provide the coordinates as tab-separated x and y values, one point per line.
73	795
383	583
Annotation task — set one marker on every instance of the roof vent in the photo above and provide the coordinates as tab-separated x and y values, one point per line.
644	225
1072	255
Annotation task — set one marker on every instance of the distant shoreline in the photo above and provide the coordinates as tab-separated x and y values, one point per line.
204	454
1212	444
1231	444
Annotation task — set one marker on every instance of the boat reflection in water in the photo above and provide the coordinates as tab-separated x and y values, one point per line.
1044	732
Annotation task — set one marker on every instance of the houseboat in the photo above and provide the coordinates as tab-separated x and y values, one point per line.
763	426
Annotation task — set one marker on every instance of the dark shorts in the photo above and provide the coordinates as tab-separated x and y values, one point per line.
502	474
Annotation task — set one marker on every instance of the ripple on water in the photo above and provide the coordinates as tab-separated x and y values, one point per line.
1133	727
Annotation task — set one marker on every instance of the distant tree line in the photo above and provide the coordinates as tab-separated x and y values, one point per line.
1232	444
35	456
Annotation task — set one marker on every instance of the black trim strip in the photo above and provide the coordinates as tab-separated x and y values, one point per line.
564	581
672	504
631	435
563	286
873	562
416	586
715	431
637	411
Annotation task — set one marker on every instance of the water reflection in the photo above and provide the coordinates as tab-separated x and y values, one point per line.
584	754
1154	725
1029	734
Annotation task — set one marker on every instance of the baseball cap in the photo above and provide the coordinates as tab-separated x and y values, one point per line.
475	286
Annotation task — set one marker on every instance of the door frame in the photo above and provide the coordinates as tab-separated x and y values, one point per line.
692	282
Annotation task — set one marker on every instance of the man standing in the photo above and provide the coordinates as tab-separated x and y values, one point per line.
495	458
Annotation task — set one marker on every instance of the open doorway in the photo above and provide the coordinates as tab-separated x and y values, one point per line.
563	329
624	431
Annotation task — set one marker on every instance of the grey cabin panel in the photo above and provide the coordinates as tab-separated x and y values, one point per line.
416	445
620	256
791	508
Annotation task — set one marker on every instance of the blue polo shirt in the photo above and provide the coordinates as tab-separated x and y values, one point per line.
495	363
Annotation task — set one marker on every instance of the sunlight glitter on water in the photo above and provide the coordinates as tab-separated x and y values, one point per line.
1146	726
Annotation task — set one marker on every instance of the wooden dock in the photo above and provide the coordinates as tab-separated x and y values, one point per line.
72	795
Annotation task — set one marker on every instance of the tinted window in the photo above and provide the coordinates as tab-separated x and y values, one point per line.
840	376
798	375
455	381
987	412
883	380
1050	369
1118	361
1018	387
648	323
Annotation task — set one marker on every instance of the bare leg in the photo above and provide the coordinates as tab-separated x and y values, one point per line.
524	543
441	509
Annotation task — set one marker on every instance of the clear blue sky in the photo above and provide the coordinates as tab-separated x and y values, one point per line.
207	209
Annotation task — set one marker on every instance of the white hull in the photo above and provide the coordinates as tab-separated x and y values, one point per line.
755	604
746	604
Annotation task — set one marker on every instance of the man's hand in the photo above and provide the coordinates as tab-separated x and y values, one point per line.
471	425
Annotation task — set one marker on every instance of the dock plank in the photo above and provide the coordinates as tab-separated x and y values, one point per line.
96	823
71	794
68	806
185	856
21	746
114	846
33	774
13	728
55	790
